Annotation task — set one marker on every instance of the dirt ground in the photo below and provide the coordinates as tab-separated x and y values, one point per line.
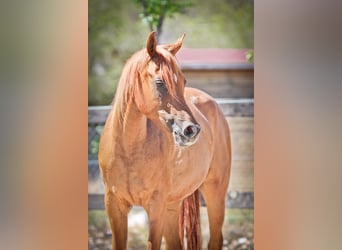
238	230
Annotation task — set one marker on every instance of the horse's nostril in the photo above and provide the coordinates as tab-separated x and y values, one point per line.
188	131
191	131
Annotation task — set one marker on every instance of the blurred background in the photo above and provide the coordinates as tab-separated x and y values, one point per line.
117	29
44	110
217	57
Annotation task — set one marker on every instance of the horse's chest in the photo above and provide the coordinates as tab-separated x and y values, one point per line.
189	171
137	177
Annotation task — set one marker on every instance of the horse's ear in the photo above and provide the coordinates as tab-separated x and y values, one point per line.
173	48
151	45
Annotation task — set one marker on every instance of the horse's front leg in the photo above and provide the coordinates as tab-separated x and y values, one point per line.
117	211
156	213
171	226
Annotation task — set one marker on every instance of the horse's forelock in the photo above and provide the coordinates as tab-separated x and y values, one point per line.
170	72
136	70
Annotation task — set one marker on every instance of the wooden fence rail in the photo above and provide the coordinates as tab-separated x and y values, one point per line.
230	107
96	119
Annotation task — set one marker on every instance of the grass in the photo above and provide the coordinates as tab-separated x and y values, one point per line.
239	216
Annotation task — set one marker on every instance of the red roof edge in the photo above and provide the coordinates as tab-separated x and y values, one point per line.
212	56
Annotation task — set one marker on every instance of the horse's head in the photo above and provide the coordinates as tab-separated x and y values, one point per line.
159	92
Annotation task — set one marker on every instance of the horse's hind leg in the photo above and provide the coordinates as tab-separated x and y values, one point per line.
214	197
171	227
117	212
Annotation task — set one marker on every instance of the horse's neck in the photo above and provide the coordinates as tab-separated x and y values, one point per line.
129	124
132	129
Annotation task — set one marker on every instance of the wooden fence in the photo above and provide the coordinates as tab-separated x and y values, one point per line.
237	111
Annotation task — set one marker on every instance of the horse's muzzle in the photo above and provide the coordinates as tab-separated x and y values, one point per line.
191	130
185	133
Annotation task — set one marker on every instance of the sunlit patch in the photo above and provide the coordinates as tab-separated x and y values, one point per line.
194	99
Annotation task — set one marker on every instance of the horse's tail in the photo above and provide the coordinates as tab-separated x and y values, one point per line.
190	219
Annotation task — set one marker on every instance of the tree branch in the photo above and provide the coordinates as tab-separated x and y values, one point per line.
160	25
145	14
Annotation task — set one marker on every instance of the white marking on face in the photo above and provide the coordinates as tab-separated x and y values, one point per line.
175	77
179	154
179	160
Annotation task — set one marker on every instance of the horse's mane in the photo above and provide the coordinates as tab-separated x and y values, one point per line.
135	70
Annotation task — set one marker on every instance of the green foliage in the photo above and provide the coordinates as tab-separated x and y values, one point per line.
94	144
97	219
250	56
239	216
116	32
112	24
215	24
154	11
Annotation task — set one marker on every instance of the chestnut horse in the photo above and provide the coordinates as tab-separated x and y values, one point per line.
163	143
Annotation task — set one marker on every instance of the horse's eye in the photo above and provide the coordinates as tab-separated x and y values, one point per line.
160	84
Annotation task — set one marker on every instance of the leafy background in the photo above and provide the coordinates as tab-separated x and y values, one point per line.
118	28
